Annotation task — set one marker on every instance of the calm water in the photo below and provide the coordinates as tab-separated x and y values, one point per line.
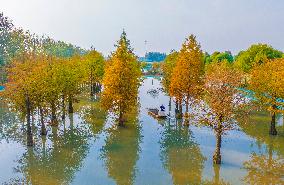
89	149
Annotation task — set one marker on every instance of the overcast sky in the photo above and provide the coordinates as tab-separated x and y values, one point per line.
218	24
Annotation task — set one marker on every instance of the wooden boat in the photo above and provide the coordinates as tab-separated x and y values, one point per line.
155	114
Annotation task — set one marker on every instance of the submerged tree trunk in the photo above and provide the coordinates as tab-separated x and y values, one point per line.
100	87
43	149
187	105
63	107
70	104
94	87
170	107
217	154
71	119
186	115
273	130
178	110
43	129
53	114
217	174
121	119
91	84
92	90
29	128
55	138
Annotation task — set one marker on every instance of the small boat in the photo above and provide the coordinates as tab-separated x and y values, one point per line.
157	114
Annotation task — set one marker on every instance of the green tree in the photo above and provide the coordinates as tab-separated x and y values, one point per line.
219	57
94	67
256	54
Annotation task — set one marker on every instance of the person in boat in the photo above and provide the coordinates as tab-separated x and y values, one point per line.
162	107
162	111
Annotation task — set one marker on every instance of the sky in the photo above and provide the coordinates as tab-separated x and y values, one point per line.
220	25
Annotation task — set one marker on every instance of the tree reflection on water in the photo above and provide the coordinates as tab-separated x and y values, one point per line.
181	155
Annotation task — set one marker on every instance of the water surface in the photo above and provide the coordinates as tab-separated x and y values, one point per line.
88	148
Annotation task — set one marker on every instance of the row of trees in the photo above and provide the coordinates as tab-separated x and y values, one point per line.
216	83
46	76
46	85
15	41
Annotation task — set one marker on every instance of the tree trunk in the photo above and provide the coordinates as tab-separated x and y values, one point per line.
43	129
176	109
63	107
273	130
100	87
92	91
186	116
120	119
43	149
91	84
187	106
96	88
29	128
70	104
170	107
53	114
54	138
180	110
217	155
71	120
216	174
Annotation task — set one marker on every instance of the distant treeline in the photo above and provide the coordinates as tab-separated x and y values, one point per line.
153	57
16	41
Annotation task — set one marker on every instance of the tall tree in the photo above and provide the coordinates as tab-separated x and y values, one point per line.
20	91
221	82
187	74
267	83
121	80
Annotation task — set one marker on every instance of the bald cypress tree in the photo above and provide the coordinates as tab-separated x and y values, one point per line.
186	82
121	80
